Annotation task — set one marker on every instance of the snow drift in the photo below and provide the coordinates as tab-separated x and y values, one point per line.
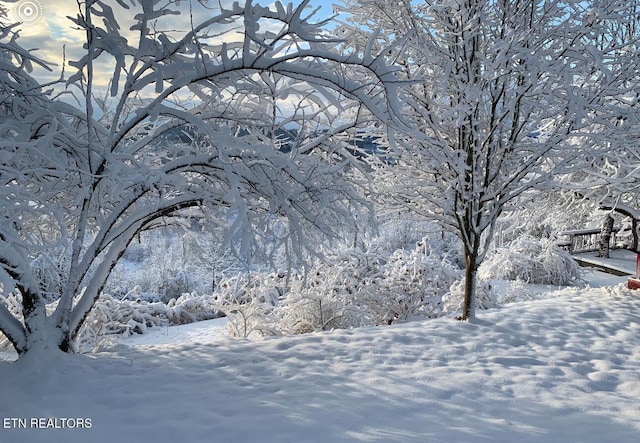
565	368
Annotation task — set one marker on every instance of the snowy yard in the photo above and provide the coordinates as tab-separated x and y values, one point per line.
164	163
565	368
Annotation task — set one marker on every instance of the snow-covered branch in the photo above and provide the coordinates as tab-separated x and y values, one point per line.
242	111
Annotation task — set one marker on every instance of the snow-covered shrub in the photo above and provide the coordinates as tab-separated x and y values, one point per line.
337	292
395	233
278	303
352	287
532	260
190	308
453	299
382	287
248	302
398	235
128	275
13	303
503	292
333	296
160	278
412	284
111	317
250	320
174	283
166	263
311	310
245	288
489	294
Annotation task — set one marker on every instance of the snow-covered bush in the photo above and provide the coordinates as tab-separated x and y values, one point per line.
174	283
166	263
190	308
531	260
310	311
263	304
506	274
412	284
352	287
13	303
489	294
112	318
248	302
328	304
253	319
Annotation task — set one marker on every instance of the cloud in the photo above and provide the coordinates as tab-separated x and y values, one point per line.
57	40
47	36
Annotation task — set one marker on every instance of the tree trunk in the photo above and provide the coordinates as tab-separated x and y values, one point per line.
40	332
470	276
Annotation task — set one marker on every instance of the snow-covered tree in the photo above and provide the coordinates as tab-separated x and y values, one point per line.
187	121
611	181
506	95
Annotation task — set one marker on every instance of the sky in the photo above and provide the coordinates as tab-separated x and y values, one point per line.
47	30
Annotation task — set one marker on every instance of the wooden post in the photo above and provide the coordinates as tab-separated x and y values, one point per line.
634	282
605	236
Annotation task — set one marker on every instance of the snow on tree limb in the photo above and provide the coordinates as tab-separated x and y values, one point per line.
108	176
509	96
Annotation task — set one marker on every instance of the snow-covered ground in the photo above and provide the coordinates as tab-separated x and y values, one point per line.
621	260
565	368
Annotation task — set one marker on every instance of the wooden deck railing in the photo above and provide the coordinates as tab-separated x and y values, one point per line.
585	240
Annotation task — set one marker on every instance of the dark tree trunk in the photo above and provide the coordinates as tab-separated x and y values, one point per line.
470	277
